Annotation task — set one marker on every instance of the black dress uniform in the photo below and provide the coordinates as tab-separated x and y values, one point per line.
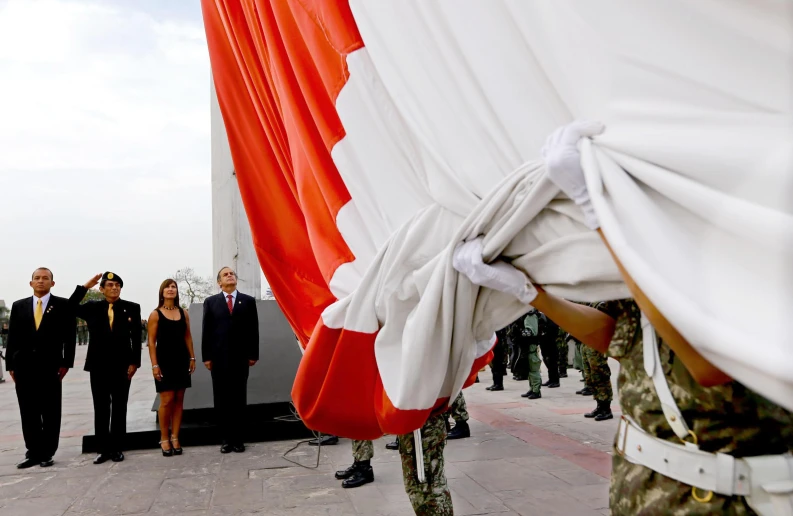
230	338
35	355
110	353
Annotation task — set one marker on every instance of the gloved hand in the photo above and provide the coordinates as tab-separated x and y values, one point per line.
563	162
499	275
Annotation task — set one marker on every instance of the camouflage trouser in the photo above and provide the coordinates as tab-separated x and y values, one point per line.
599	379
535	379
362	450
433	497
585	369
459	410
564	351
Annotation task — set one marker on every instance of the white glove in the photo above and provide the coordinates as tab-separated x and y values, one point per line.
499	276
563	162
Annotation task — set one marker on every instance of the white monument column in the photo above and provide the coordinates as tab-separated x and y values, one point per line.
232	243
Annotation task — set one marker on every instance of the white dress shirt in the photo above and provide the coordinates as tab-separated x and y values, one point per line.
233	297
44	301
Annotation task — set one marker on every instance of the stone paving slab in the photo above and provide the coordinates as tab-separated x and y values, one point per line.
524	457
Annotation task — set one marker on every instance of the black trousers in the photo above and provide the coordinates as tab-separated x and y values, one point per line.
498	365
110	391
550	356
39	396
230	395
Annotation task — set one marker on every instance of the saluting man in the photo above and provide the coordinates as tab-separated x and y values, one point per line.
112	358
40	352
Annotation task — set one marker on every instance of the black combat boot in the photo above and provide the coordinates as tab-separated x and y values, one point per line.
595	412
605	411
461	430
586	391
531	395
363	474
347	473
393	445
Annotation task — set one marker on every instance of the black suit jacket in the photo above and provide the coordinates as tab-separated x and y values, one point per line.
49	347
230	339
117	347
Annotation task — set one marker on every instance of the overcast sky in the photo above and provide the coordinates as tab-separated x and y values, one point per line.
104	143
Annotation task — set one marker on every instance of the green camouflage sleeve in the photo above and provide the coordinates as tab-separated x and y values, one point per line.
626	313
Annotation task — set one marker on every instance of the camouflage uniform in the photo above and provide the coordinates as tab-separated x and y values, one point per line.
433	497
459	410
585	371
598	377
362	450
563	351
727	418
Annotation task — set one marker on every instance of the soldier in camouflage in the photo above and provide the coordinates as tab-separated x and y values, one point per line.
431	498
459	413
361	472
563	351
726	418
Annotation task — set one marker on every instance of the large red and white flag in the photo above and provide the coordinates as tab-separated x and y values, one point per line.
369	137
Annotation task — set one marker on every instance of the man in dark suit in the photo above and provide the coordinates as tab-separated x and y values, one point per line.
229	346
112	358
41	339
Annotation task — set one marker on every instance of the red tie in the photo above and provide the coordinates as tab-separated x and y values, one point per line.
231	305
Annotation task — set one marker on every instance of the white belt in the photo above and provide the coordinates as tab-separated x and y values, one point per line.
766	481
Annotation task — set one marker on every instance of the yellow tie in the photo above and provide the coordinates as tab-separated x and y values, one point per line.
110	314
37	315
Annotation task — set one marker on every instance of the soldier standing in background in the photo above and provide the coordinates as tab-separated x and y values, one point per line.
547	332
529	339
519	356
563	351
586	390
598	379
499	363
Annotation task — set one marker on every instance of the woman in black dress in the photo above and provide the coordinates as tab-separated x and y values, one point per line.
172	363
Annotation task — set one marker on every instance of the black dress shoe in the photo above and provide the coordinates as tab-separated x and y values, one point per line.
496	388
27	463
226	448
394	445
525	394
117	457
533	395
325	440
238	448
461	430
553	385
102	458
361	476
545	384
586	391
562	375
47	462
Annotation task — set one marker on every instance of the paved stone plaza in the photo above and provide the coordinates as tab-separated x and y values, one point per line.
525	457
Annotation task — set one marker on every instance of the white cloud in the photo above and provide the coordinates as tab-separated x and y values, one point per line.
104	119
